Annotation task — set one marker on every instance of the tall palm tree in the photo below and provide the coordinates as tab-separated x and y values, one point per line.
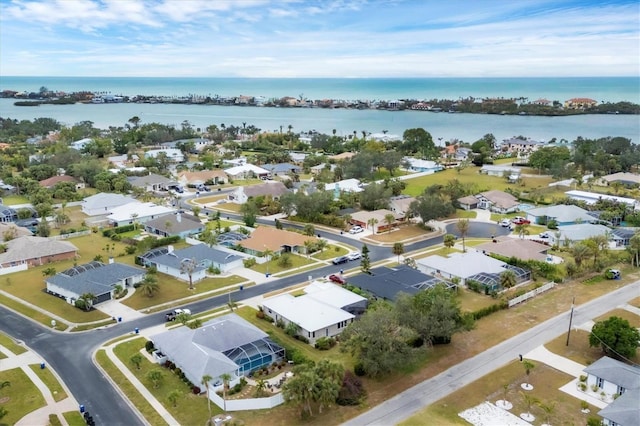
580	252
463	228
322	244
188	266
226	378
398	250
206	379
372	223
389	220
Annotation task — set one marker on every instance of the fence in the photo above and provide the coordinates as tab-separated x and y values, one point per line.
532	293
71	235
247	404
12	269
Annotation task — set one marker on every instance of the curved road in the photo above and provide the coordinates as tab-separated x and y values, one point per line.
70	354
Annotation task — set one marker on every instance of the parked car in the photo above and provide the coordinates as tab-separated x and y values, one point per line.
354	256
520	221
544	235
340	260
171	316
356	230
505	223
337	279
612	274
202	188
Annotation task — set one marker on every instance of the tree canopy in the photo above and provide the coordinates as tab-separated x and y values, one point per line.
616	337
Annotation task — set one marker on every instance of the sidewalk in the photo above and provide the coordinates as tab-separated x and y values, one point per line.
41	415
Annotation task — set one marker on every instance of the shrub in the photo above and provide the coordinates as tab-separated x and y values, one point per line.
352	391
130	249
301	338
280	323
359	370
248	263
583	387
285	261
196	390
481	313
583	378
149	346
260	315
325	343
81	304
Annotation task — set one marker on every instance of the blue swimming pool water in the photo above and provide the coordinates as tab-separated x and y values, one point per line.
525	207
254	362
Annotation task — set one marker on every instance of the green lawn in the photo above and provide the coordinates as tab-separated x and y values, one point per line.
273	268
330	252
10	344
50	380
12	200
132	393
74	418
190	410
172	289
465	214
24	396
31	313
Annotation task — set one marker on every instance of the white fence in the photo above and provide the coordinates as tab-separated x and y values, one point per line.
12	269
247	404
532	293
72	235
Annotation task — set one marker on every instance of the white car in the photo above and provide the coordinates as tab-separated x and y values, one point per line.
505	223
354	256
356	230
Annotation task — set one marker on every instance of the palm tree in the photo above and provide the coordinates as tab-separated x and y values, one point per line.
528	367
206	379
372	223
449	241
261	386
463	228
522	230
398	250
529	401
89	299
149	285
226	378
508	279
580	252
188	266
389	220
49	272
322	244
308	245
174	396
548	410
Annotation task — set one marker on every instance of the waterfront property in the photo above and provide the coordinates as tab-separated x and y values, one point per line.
223	345
94	278
323	311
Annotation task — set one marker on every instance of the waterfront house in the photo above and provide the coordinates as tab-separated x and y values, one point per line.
95	278
522	147
103	203
243	193
324	310
580	103
278	241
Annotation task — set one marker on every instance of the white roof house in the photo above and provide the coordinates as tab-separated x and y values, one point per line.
245	170
173	154
103	203
593	197
81	144
497	170
347	185
461	265
321	312
422	166
140	212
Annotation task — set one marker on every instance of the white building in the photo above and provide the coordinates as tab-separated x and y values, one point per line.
137	212
173	155
593	197
81	144
245	171
103	203
347	185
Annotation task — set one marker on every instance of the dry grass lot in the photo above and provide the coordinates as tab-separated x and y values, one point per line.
634	320
404	232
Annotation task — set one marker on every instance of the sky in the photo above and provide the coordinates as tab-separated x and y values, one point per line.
320	38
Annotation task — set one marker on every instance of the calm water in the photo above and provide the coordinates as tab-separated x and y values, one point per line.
444	126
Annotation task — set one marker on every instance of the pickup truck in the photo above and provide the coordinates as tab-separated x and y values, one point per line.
171	316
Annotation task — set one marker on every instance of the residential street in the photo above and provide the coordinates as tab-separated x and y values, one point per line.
406	404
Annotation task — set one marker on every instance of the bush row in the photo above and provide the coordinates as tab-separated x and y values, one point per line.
118	230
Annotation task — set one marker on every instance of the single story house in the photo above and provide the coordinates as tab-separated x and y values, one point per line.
54	180
571	234
94	277
243	193
375	221
471	265
517	247
11	231
346	185
36	251
103	203
497	201
617	378
246	171
173	155
625	178
137	212
422	166
387	282
562	214
81	144
400	205
123	161
277	240
8	214
179	224
501	171
224	345
593	197
169	261
323	311
151	182
282	169
203	177
469	202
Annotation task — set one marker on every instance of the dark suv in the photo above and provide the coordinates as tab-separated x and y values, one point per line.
340	260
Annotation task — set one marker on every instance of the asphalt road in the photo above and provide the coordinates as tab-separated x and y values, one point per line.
407	403
70	354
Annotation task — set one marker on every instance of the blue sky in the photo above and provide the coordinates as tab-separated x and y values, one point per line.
324	38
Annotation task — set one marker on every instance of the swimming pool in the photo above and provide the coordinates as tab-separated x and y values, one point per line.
524	207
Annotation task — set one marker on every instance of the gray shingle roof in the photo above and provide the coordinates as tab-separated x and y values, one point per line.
388	282
31	247
96	280
625	410
199	252
151	179
187	222
616	372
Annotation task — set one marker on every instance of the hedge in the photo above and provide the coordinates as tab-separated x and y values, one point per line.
118	230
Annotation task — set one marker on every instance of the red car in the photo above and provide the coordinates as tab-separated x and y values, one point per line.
337	279
521	221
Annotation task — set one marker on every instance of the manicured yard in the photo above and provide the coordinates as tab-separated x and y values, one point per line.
465	214
272	266
10	344
74	418
545	380
132	393
50	380
330	252
24	396
12	200
31	313
172	289
190	410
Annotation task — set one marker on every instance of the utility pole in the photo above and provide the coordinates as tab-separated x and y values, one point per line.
570	319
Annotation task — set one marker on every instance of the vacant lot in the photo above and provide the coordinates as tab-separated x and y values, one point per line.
21	397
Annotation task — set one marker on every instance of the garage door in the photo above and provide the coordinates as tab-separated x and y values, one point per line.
102	298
